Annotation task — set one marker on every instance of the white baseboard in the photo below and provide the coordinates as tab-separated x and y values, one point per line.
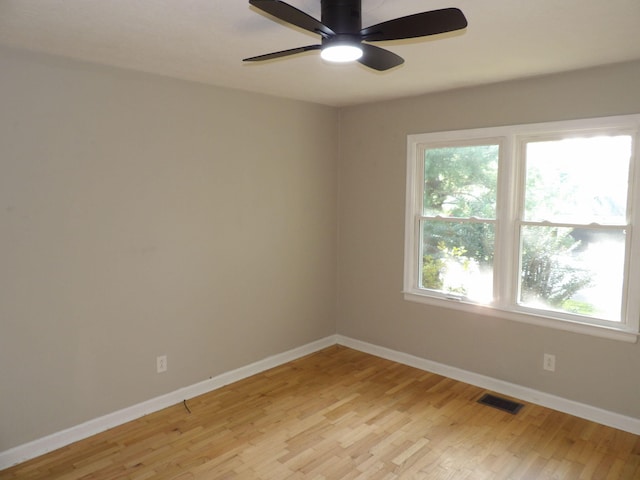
588	412
60	439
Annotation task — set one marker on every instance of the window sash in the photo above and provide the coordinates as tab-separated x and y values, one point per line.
509	221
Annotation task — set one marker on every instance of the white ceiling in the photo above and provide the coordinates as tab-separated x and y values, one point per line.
206	40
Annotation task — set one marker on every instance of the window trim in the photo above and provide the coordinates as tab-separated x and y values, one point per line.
512	140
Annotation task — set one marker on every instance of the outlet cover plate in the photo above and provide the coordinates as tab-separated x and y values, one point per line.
549	362
161	364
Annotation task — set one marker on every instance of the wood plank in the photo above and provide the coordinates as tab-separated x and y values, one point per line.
344	414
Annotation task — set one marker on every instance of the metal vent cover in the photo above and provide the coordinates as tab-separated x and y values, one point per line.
500	403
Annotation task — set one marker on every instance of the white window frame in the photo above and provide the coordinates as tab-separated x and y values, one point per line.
509	204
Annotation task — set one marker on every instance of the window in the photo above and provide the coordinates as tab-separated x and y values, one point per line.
532	222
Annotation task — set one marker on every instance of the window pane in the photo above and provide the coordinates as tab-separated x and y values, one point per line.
577	270
578	180
457	258
461	181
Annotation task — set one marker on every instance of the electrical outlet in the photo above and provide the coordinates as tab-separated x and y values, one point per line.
549	362
161	363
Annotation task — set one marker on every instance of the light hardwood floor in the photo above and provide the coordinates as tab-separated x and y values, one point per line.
343	414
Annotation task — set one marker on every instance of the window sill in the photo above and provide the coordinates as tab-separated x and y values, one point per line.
539	320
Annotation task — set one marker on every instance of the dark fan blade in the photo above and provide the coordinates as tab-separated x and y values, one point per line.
418	25
379	58
292	15
283	53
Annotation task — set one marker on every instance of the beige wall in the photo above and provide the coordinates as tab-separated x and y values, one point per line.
603	373
142	216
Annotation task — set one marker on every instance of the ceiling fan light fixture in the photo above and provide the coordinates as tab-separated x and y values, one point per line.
344	39
341	53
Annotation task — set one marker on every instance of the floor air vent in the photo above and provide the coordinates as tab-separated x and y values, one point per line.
500	403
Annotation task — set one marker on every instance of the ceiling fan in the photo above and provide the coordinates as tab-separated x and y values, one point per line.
343	38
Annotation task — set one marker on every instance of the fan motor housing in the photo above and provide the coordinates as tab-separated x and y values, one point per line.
342	16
